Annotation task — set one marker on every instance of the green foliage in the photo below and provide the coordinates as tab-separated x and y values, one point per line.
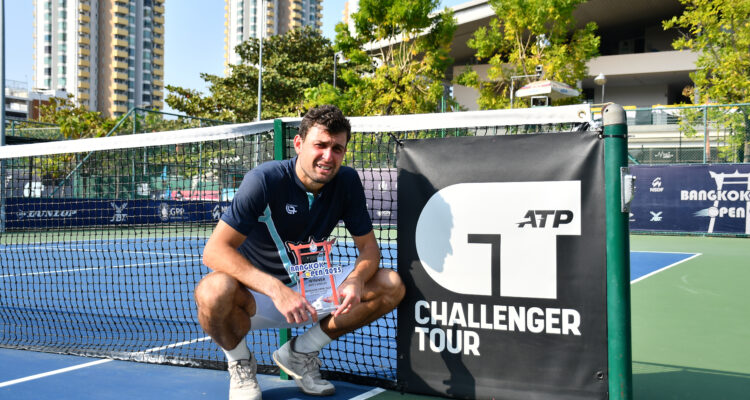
527	33
719	31
293	62
405	74
75	121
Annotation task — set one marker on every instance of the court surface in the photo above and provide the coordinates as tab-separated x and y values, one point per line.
690	321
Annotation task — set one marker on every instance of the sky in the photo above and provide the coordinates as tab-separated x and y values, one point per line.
193	42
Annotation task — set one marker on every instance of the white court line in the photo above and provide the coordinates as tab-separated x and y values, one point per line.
369	394
74	249
93	363
55	372
61	271
664	268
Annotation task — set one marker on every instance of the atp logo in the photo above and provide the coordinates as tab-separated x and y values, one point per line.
656	216
498	238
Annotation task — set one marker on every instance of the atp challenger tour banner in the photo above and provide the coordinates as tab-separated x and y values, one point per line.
691	198
502	249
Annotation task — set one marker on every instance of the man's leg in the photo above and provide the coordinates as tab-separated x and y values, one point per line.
224	310
299	357
382	293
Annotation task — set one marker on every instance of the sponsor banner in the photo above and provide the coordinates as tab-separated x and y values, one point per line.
504	263
32	213
691	198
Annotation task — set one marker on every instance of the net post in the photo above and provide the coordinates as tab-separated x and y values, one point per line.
618	256
279	153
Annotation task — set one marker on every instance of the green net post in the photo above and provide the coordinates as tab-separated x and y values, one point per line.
618	255
279	153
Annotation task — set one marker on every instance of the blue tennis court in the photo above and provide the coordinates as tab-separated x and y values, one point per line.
165	271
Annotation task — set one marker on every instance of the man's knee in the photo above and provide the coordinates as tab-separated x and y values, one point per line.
391	287
216	289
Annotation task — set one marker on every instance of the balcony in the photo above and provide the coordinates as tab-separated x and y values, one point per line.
84	51
84	40
121	20
120	64
159	9
158	82
120	9
120	86
158	51
120	31
84	29
83	96
159	29
85	7
120	97
83	62
159	19
84	18
83	85
120	42
83	73
119	109
120	53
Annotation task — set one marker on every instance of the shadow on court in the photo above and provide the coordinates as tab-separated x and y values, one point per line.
663	382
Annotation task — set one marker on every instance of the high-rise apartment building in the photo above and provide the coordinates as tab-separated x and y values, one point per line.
246	19
108	53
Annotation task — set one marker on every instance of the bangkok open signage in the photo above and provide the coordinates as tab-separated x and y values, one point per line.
501	246
702	198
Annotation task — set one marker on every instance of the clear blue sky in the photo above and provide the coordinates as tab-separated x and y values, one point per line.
194	38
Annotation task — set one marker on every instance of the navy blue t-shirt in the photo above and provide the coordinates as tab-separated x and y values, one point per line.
272	207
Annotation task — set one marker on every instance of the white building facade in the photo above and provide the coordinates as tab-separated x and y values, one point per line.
109	53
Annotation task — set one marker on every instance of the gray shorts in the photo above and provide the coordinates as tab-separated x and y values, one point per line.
268	317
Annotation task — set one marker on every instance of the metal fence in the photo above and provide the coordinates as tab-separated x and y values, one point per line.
714	133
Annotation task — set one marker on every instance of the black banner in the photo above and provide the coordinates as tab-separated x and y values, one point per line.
502	249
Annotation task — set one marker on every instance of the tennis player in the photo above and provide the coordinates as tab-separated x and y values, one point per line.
250	287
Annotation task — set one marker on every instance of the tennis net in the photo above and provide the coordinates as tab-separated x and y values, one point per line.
101	239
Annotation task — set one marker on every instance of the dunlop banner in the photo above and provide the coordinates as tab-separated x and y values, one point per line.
501	245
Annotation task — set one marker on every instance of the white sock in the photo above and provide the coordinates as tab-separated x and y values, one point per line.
311	341
241	352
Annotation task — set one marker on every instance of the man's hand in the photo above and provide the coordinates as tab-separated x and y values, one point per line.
293	306
350	294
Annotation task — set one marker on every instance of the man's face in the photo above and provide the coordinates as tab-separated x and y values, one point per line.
319	156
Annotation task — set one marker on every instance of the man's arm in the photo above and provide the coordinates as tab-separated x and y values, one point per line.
220	254
364	268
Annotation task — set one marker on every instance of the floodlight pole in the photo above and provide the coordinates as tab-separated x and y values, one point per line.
2	113
260	53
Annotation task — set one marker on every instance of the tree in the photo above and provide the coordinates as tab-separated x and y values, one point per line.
527	33
405	74
74	120
719	31
293	62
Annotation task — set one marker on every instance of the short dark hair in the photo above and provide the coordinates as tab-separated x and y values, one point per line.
327	116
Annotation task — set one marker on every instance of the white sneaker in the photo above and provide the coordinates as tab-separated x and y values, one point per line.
243	384
304	368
